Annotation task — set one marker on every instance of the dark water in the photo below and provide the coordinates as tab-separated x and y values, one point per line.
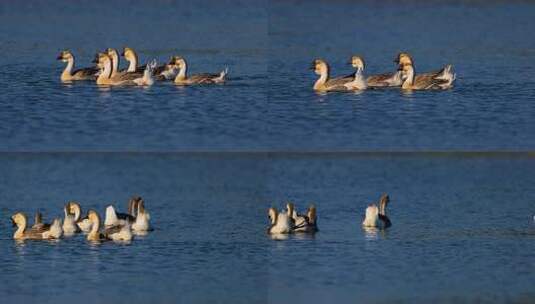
462	228
268	103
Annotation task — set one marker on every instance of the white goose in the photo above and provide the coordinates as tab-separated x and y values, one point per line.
281	223
376	216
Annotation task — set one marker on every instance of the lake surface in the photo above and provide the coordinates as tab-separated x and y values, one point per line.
462	231
268	103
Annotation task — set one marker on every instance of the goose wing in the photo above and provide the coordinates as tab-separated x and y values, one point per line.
126	217
112	230
380	80
128	76
85	72
428	81
203	78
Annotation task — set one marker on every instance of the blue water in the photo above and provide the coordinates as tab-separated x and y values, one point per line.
462	228
268	103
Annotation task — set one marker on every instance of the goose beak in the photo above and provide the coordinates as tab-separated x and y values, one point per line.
13	223
313	66
122	53
59	57
95	60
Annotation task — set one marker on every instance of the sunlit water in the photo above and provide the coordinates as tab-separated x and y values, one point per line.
268	103
462	229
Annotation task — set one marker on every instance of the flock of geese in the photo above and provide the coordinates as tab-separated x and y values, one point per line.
107	72
123	226
405	77
290	221
116	226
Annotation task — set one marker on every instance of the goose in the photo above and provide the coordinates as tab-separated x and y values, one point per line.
324	82
20	221
358	82
376	216
69	74
183	79
83	223
443	74
70	226
141	222
115	233
104	62
281	223
306	223
422	83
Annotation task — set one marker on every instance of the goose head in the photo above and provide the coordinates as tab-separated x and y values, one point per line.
403	58
112	52
129	54
180	62
65	56
320	67
19	219
357	62
74	208
101	59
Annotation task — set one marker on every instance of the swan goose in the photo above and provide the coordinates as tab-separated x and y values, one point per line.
19	220
182	77
376	216
69	74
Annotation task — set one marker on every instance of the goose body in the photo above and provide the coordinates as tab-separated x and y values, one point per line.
182	77
410	82
70	74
